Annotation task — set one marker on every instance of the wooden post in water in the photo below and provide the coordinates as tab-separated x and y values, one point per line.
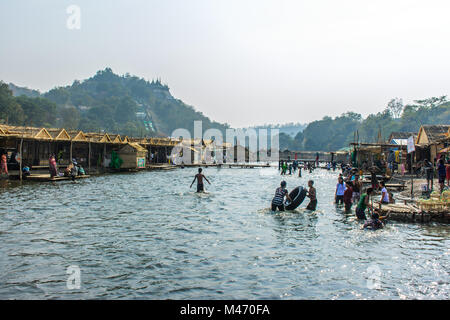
21	158
104	154
89	159
412	177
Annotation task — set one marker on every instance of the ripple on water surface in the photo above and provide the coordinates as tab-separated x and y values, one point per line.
147	235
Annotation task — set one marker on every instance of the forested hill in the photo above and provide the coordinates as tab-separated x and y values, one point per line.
127	105
22	91
132	106
329	134
291	129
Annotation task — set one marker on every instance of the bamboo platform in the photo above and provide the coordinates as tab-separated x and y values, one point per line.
398	186
46	177
411	213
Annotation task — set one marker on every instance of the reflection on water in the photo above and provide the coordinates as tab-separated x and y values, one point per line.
147	235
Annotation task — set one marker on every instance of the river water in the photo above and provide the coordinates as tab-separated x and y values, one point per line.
148	236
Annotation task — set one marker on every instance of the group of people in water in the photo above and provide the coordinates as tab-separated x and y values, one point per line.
349	191
286	167
281	192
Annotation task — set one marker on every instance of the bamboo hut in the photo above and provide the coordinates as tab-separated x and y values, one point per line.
133	156
430	140
33	147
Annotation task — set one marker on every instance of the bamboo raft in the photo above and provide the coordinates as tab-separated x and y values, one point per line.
398	186
412	213
46	177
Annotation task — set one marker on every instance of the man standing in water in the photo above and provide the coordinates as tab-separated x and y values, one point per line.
348	194
312	196
357	187
199	177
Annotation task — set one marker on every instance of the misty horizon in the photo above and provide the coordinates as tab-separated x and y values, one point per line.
285	123
245	64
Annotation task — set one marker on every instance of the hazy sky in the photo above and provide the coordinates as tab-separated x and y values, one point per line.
243	62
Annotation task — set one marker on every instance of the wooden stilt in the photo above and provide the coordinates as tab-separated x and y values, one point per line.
21	159
104	154
89	159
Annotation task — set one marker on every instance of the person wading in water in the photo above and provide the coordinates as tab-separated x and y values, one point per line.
348	194
340	189
278	199
364	202
375	223
357	187
199	177
312	205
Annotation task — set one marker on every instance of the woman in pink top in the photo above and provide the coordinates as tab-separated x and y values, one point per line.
52	166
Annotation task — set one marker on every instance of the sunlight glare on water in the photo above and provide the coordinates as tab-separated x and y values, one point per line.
148	236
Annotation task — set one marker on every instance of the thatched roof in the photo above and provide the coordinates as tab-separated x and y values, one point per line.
432	133
98	137
60	134
135	146
401	135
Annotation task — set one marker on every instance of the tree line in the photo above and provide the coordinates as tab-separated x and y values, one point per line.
132	106
331	134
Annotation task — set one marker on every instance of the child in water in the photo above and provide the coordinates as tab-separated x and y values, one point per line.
375	223
199	176
278	199
312	196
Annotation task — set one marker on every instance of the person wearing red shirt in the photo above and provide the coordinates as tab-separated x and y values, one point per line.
348	195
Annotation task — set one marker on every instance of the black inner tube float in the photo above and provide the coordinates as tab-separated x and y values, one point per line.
297	195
